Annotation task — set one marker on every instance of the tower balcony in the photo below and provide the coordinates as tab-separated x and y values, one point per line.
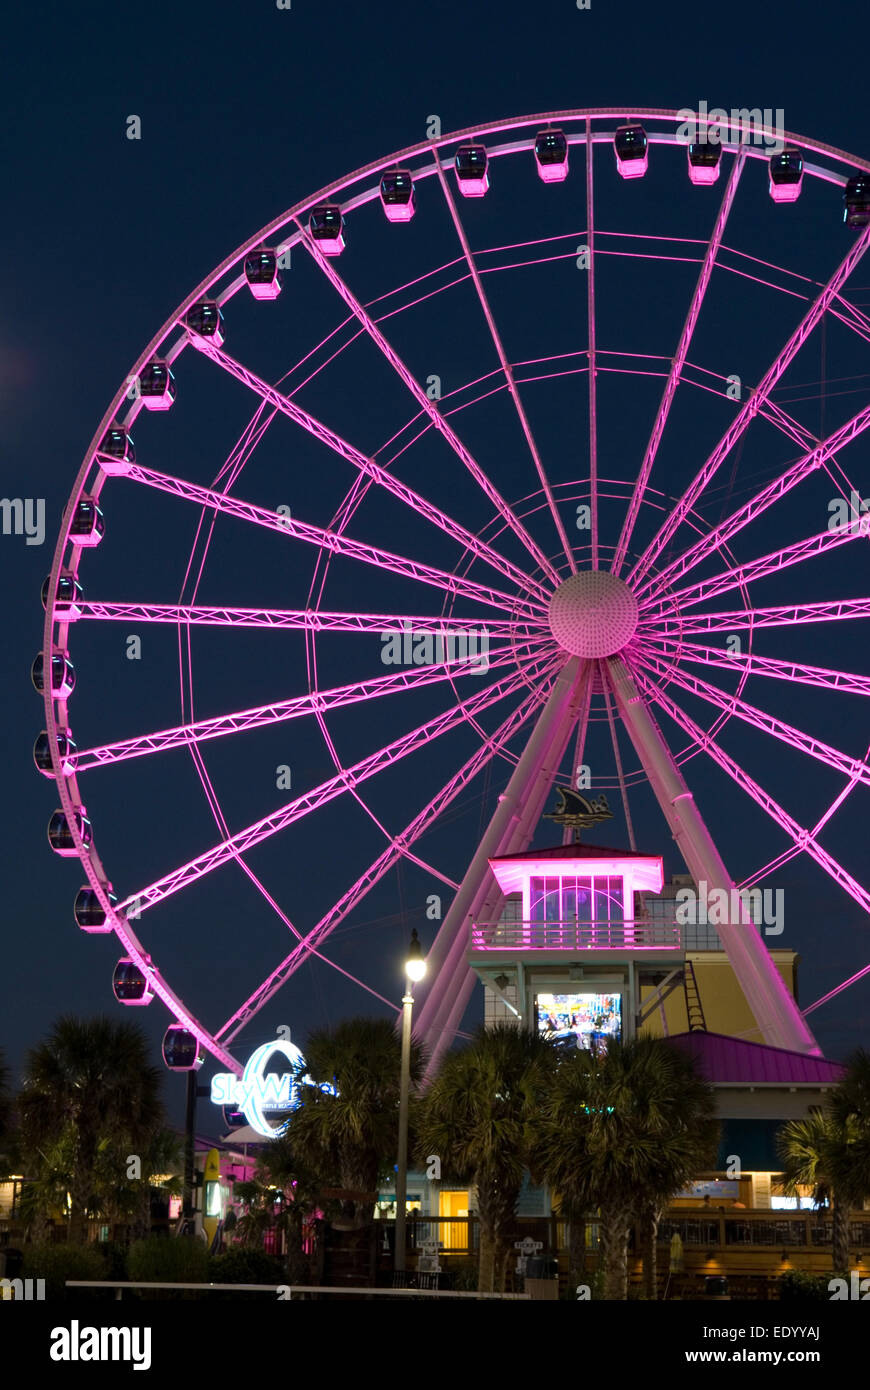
630	935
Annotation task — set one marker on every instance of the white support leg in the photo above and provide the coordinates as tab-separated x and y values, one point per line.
776	1013
510	830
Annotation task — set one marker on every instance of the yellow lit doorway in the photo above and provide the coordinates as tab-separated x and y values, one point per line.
454	1233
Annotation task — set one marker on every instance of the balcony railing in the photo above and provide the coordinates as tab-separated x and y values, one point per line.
756	1230
575	936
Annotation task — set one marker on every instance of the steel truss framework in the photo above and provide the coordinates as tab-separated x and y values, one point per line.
674	578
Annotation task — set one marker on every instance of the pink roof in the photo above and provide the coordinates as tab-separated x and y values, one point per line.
723	1059
573	852
640	872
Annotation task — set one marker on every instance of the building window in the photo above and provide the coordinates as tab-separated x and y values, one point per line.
577	899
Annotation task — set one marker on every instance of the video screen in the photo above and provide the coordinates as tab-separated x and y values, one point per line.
580	1020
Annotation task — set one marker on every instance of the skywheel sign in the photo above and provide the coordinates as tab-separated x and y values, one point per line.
258	1093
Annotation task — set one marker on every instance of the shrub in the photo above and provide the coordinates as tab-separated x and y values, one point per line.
246	1266
464	1277
795	1284
57	1263
175	1259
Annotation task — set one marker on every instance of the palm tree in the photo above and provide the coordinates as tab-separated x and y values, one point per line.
477	1117
349	1137
124	1199
281	1173
623	1131
88	1084
829	1151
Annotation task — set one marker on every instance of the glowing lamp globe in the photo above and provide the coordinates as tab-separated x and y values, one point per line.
415	965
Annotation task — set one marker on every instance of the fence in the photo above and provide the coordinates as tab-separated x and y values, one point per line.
284	1293
812	1231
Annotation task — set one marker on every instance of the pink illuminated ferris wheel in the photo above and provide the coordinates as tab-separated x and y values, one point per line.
500	458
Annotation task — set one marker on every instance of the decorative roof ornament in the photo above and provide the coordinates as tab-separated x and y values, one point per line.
579	812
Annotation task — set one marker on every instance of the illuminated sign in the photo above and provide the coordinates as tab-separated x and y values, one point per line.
254	1092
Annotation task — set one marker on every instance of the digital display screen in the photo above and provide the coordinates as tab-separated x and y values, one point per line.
580	1020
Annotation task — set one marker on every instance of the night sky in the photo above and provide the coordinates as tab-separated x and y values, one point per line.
245	110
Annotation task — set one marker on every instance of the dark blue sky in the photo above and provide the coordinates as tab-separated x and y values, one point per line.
245	109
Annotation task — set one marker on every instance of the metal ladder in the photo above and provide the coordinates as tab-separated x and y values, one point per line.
694	1008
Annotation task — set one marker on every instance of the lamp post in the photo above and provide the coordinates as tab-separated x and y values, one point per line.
415	969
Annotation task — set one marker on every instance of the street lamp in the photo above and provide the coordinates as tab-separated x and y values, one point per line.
415	969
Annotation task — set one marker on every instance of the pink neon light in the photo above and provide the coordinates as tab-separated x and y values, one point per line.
806	326
361	771
768	723
508	373
292	619
441	425
331	541
752	509
771	563
449	525
678	363
258	716
801	837
787	615
791	671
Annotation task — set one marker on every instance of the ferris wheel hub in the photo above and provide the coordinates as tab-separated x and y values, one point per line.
593	614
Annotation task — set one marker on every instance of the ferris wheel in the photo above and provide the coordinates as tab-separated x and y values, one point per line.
459	528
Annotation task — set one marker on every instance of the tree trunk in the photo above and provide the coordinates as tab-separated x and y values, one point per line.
78	1217
649	1228
613	1253
486	1267
840	1232
577	1247
81	1186
502	1260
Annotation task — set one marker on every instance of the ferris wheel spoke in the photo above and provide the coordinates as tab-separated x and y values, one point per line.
289	619
772	563
832	993
784	615
775	415
260	716
751	406
508	373
802	837
333	542
385	757
820	824
767	723
795	672
397	848
617	758
679	361
780	487
853	317
368	467
430	408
